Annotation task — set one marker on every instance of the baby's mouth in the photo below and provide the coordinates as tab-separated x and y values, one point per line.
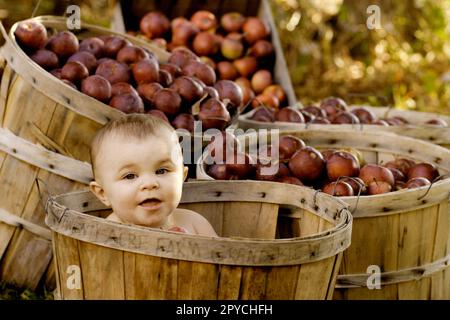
150	203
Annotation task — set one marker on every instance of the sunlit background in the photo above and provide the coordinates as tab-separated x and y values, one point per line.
331	51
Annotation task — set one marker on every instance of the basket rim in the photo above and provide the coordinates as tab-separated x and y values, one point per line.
430	133
263	252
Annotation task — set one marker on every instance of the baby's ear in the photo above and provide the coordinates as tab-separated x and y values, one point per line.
99	192
185	173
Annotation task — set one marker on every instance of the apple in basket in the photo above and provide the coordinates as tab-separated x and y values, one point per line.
31	34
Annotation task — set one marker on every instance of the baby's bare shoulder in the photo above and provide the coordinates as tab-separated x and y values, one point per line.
187	214
200	224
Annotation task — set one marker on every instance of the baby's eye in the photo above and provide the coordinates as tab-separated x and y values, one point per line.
161	171
129	176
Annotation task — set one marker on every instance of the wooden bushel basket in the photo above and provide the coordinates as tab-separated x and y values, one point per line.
41	120
406	234
415	129
100	259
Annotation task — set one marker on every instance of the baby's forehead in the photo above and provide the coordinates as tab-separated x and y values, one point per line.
163	143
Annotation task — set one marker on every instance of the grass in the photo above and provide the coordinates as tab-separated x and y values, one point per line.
10	292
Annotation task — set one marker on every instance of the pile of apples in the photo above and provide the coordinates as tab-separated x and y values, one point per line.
236	47
331	111
340	172
129	78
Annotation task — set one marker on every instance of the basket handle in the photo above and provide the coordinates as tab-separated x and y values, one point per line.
442	176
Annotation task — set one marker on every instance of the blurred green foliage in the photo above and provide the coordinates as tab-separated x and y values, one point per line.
98	12
331	51
9	292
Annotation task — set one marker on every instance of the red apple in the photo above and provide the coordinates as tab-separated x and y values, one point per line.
86	58
204	20
307	164
232	22
74	71
379	187
154	24
167	100
417	183
205	44
213	114
288	145
63	43
342	164
128	103
184	121
201	71
31	34
96	87
375	173
131	54
289	114
261	80
146	71
339	189
423	170
94	45
246	66
46	59
364	115
255	29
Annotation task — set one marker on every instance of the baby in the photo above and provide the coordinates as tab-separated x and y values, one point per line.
139	172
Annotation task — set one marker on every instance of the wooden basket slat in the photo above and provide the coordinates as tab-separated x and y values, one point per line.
229	282
304	283
71	257
99	285
282	283
253	285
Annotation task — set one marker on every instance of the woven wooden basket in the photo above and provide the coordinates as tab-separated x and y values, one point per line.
405	233
41	120
415	129
110	260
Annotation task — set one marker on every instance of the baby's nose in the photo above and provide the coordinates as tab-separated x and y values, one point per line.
149	182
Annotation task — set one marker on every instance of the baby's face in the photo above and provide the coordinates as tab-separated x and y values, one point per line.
142	179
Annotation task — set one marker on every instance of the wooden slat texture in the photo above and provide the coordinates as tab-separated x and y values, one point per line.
440	283
308	286
66	250
281	283
256	220
198	281
98	266
147	277
253	284
26	260
417	230
309	225
334	274
229	282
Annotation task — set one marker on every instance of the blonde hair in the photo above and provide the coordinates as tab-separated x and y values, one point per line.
133	125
